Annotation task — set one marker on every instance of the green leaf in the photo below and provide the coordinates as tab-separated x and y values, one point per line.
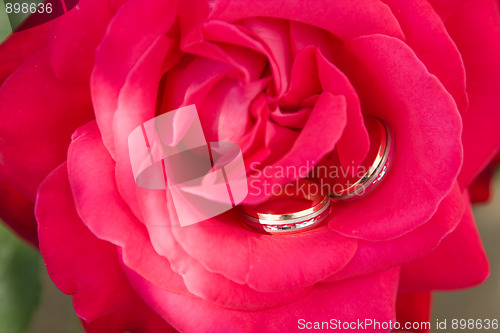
14	19
5	28
19	282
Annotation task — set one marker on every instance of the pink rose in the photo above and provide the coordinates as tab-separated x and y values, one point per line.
289	82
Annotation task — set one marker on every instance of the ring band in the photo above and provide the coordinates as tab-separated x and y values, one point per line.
270	218
377	170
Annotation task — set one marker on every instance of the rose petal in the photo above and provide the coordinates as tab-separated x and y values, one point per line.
344	301
89	160
346	19
459	262
426	35
274	36
475	28
136	104
414	308
19	47
266	263
313	73
86	267
481	189
113	221
396	87
129	34
294	119
224	111
323	127
135	318
445	7
17	212
304	81
409	247
354	143
201	282
38	113
266	141
77	261
231	38
72	47
190	82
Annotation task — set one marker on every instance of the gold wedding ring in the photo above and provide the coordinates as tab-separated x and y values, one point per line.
296	208
379	132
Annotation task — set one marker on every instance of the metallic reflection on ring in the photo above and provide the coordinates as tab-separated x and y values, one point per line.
378	169
347	183
289	212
